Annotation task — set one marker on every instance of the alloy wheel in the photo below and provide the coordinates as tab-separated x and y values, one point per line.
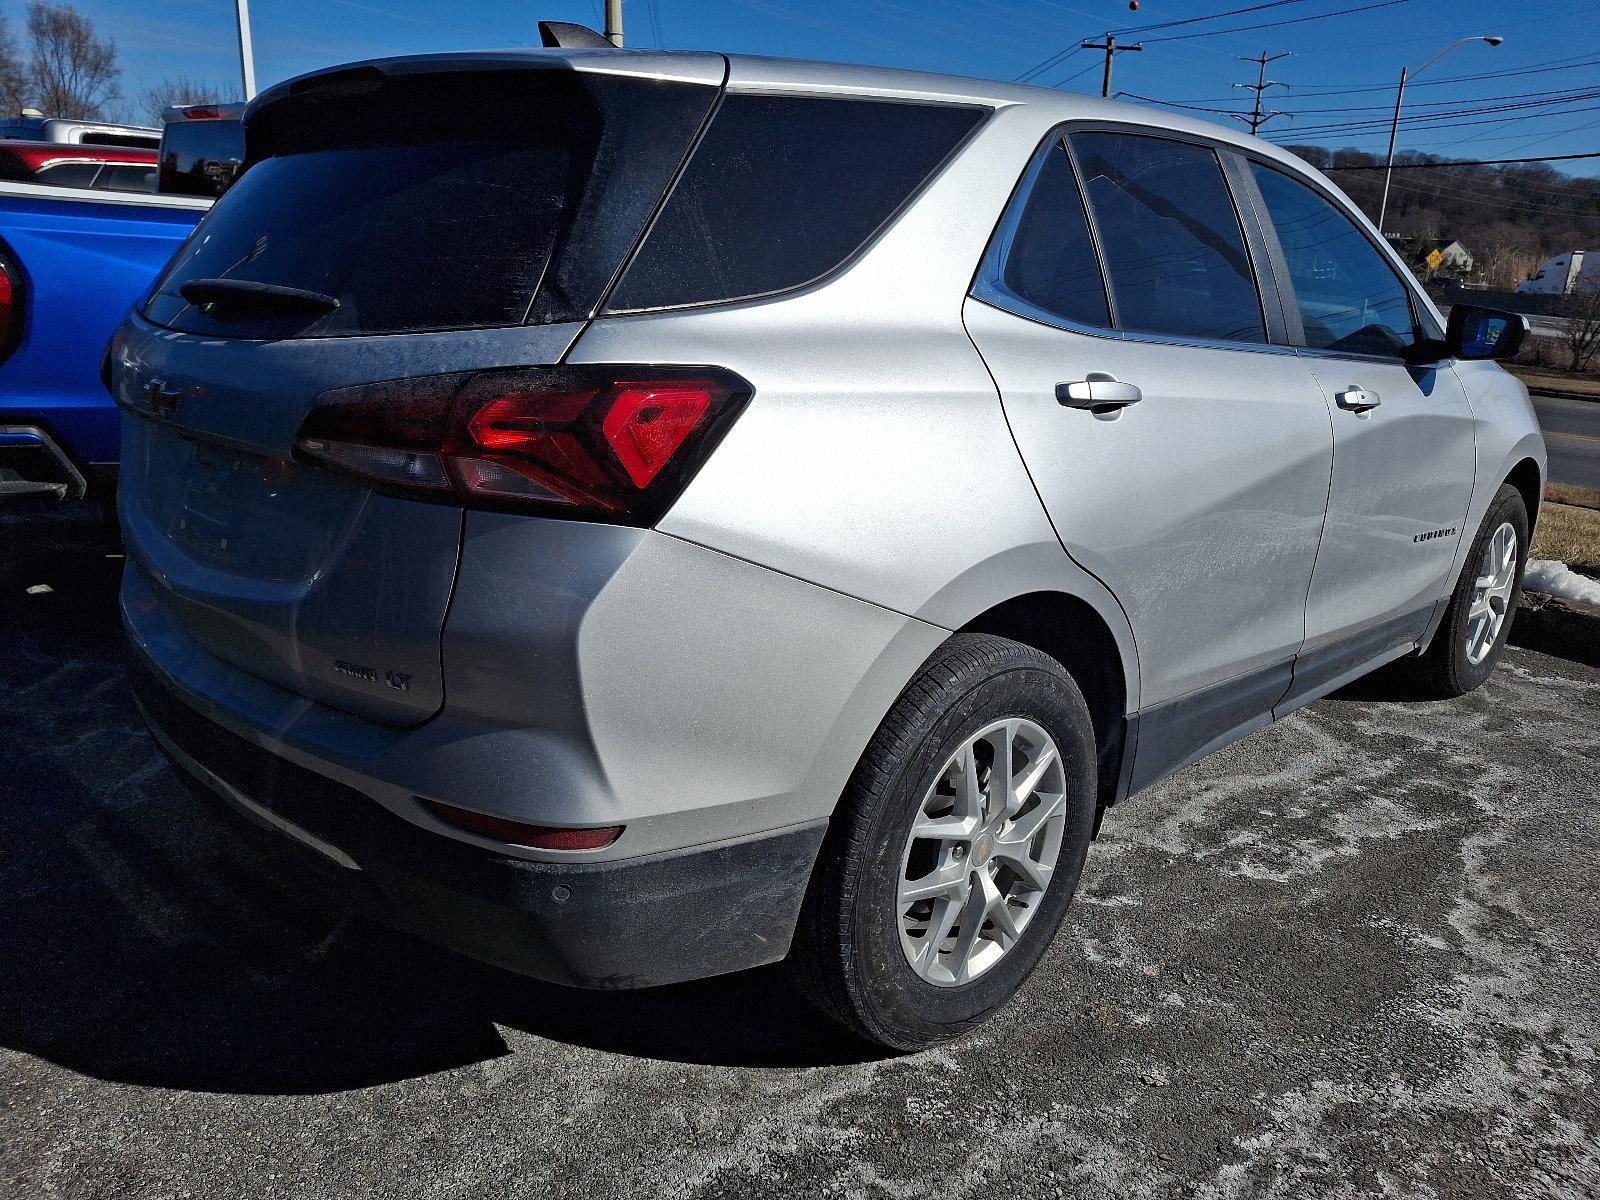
1491	593
981	851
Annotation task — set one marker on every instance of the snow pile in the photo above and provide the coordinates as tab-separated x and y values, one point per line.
1557	579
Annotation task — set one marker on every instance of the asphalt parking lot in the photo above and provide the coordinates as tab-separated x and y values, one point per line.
1358	953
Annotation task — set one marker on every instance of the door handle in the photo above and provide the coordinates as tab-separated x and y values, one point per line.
1357	400
1097	392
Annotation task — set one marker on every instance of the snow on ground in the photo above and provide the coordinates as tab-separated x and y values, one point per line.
1558	579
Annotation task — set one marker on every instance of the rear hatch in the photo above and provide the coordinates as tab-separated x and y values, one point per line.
414	217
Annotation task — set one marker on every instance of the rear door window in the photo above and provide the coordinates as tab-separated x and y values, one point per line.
1049	259
783	190
1173	248
1350	299
74	175
376	192
125	177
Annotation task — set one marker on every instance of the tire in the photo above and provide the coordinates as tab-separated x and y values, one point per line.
1447	668
852	949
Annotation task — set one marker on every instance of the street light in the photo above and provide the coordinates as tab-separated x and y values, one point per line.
1399	96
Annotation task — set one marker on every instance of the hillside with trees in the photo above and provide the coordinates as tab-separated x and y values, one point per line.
1511	217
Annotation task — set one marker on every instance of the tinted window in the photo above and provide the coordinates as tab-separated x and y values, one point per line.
783	189
144	141
1173	248
1349	298
69	174
201	158
372	190
1050	261
123	178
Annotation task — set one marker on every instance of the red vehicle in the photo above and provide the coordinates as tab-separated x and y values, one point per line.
104	168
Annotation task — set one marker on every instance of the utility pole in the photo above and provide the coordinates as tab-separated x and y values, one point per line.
1112	50
1257	118
247	58
614	22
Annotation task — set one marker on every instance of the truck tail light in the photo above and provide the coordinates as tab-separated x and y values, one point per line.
11	306
613	444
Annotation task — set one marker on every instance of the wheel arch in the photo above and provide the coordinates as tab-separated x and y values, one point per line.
1072	631
1527	478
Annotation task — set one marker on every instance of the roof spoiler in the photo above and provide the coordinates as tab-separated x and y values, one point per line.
568	35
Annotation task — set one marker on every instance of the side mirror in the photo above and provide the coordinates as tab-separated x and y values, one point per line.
1475	332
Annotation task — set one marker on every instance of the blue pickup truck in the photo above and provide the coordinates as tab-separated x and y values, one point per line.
71	262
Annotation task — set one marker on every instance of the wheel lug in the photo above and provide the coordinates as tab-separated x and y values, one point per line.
959	853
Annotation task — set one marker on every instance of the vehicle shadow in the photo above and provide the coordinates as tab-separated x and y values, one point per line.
145	942
1390	684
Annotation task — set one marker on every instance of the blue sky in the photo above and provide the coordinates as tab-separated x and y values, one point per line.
1347	64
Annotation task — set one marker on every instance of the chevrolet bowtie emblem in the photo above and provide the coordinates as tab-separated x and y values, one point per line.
159	396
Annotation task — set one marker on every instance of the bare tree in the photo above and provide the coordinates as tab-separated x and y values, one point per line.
179	89
1580	331
13	78
72	72
1504	266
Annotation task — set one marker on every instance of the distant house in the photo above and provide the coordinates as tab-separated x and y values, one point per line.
1434	256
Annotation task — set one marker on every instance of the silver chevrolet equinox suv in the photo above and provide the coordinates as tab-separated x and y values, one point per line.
703	511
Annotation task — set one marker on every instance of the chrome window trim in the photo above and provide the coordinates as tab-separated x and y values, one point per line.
989	285
1388	359
987	292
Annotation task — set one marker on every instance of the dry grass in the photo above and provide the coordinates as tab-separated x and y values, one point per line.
1566	493
1569	534
1586	383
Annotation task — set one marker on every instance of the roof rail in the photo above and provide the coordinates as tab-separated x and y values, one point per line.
568	35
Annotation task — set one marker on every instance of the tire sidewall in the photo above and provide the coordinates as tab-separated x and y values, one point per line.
1507	508
899	998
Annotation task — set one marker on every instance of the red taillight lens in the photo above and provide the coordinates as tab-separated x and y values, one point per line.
612	444
646	425
518	833
10	309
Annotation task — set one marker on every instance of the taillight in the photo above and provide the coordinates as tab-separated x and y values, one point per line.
11	307
589	443
519	833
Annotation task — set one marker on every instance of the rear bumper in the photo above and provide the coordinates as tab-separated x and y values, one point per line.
35	465
627	923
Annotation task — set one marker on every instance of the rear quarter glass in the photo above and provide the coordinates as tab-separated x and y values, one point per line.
782	190
376	191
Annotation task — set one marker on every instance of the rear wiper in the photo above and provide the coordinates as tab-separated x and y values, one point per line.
234	295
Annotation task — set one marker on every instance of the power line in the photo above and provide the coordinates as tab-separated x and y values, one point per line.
1447	119
1480	162
1213	17
1570	63
1504	204
1554	95
1445	81
1343	12
1044	64
1075	75
959	31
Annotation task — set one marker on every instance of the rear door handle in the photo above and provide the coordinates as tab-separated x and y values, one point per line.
1098	392
1357	400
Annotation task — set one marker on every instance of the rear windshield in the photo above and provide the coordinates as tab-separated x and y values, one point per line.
201	158
372	190
783	190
